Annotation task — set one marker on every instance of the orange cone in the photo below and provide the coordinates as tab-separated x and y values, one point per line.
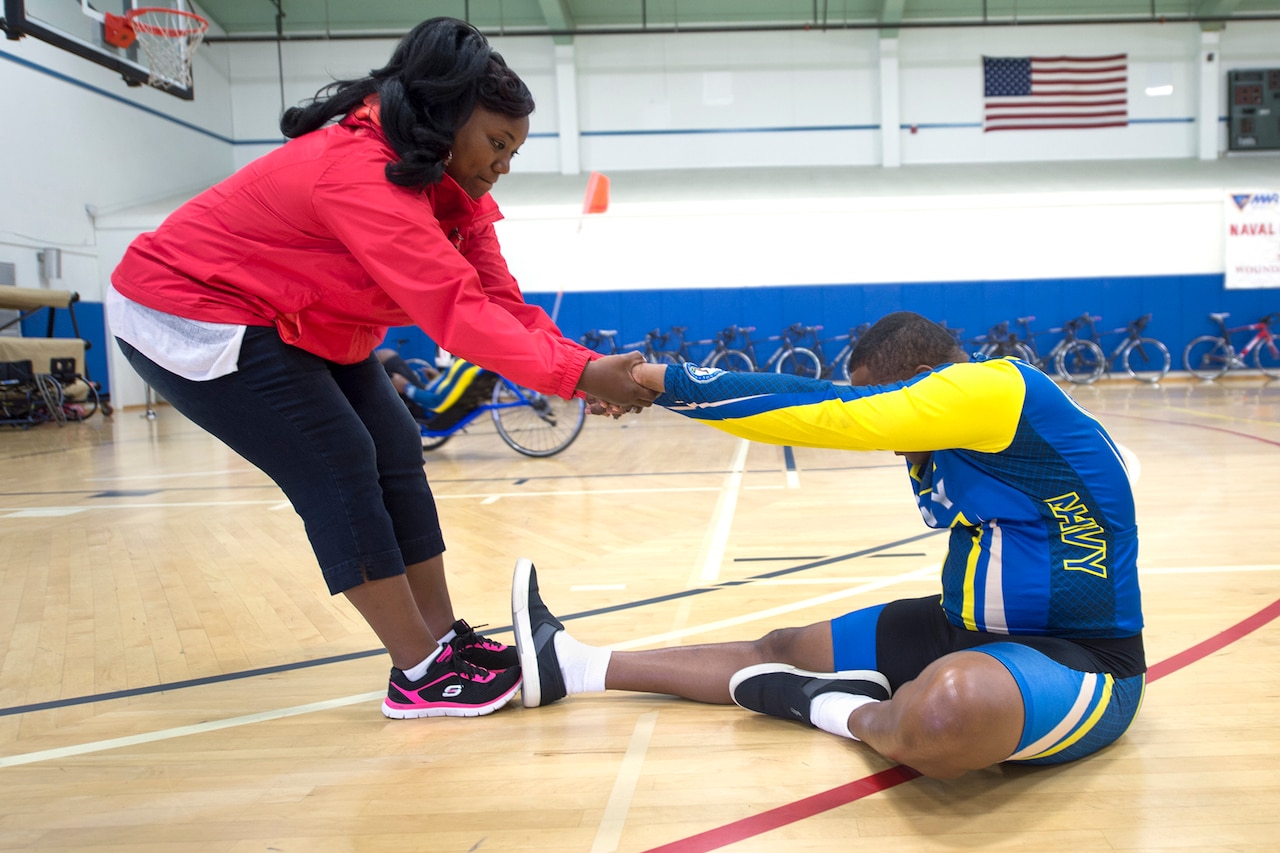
596	199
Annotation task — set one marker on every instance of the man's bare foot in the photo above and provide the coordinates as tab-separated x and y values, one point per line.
651	376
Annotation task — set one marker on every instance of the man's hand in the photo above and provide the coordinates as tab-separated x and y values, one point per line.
651	376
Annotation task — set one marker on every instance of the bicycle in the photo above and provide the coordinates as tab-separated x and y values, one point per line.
1145	359
1210	356
840	364
594	339
605	341
1073	358
812	360
999	342
794	359
529	421
726	356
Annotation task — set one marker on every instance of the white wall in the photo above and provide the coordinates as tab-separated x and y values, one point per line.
681	101
70	150
310	65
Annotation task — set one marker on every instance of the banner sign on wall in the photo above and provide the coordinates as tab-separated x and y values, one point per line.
1252	239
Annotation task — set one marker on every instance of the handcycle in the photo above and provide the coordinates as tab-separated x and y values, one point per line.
529	421
28	397
1210	356
1144	358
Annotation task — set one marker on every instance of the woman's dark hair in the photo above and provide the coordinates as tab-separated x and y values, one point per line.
437	75
898	343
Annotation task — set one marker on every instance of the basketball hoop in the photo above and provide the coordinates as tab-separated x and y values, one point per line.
169	38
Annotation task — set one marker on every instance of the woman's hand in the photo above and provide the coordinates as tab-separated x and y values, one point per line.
608	380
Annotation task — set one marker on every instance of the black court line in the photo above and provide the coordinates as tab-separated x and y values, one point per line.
300	665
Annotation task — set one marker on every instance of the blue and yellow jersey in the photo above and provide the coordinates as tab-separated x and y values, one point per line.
1033	489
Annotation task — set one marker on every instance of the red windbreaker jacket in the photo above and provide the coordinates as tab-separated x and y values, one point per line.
314	240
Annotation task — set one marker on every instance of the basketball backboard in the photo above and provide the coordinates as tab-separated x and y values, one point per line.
79	26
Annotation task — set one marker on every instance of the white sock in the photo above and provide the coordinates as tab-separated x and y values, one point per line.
416	673
447	637
582	666
830	711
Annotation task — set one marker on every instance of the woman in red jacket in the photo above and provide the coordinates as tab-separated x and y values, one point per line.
254	310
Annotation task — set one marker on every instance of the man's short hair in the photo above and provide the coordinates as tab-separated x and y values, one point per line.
898	343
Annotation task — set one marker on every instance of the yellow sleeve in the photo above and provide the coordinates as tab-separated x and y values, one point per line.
959	406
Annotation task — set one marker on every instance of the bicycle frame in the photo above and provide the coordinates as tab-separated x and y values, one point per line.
482	409
1262	335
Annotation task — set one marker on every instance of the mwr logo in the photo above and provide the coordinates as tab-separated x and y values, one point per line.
1244	200
1081	533
703	374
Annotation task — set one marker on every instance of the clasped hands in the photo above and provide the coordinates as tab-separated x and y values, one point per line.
616	385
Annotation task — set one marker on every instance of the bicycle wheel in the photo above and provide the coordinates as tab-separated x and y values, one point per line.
425	369
734	360
1267	358
1024	351
536	424
1146	360
846	375
665	357
800	361
1081	362
431	442
1207	357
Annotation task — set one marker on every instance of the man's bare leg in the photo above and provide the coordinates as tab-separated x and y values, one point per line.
702	673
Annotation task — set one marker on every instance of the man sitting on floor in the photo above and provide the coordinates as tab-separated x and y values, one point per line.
1033	651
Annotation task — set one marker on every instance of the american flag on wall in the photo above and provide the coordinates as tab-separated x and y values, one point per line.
1055	92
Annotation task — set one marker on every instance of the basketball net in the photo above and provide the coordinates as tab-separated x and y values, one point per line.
169	38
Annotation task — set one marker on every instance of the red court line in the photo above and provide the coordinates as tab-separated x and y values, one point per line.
790	813
749	827
1193	426
1216	643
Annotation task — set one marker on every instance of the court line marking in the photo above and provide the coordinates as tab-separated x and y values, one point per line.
127	477
609	832
722	516
789	466
183	731
486	497
657	639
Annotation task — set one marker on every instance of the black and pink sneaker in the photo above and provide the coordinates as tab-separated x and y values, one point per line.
452	687
481	650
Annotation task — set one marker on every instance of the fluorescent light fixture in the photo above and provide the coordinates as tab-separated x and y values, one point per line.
1159	91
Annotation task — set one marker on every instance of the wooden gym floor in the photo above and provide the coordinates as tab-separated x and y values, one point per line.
173	675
